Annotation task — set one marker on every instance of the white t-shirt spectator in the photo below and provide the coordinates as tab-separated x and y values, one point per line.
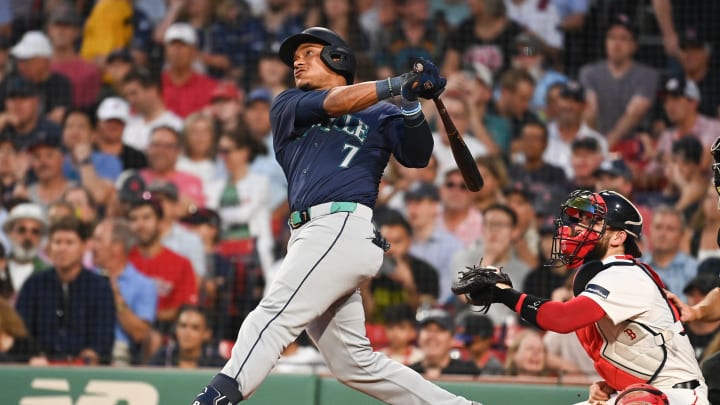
137	130
540	17
558	151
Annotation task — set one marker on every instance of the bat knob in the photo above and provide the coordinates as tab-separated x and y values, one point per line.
418	68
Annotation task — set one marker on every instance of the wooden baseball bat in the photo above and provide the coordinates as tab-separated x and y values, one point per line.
464	159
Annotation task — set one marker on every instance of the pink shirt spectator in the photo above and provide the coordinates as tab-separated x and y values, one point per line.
469	230
189	97
85	79
188	185
705	129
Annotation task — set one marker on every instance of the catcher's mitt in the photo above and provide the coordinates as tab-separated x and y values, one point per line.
478	285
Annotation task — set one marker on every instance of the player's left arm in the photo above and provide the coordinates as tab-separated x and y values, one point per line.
561	317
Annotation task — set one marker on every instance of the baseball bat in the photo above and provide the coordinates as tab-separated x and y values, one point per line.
464	159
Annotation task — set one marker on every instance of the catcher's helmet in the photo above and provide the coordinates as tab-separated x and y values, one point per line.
641	393
585	216
336	54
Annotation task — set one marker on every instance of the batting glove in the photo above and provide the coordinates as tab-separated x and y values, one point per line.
429	84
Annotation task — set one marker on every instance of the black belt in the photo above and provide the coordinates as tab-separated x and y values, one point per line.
690	385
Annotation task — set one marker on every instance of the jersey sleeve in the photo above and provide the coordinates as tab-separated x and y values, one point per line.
294	110
621	292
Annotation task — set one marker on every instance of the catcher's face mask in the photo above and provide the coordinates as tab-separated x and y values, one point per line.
578	229
715	150
642	394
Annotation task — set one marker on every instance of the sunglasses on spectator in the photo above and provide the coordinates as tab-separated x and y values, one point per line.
460	186
23	230
225	151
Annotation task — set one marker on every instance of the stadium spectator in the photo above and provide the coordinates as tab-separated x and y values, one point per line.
198	14
236	40
226	106
242	200
13	170
257	121
401	332
435	339
574	23
281	19
615	175
700	333
527	355
174	236
399	179
527	239
414	34
135	294
118	64
199	149
546	277
64	28
18	346
430	241
192	346
703	225
516	92
534	172
341	16
586	156
685	172
569	126
163	153
460	114
143	94
620	90
495	248
477	334
495	176
485	37
25	227
552	99
83	206
69	309
217	291
173	274
113	114
4	57
403	278
22	119
541	18
273	73
107	28
459	215
681	101
32	55
695	59
528	55
82	164
184	90
46	161
474	87
675	268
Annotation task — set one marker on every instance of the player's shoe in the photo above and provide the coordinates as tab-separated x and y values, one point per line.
222	390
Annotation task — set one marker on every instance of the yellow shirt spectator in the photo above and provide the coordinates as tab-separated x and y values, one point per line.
108	28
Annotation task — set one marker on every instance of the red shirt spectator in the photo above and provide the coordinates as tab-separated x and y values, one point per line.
184	89
190	96
173	275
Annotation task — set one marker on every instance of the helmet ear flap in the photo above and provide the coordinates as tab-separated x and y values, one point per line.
340	60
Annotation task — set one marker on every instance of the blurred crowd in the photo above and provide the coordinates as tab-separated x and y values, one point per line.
143	212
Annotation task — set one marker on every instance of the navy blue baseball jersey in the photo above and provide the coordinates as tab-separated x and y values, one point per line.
336	159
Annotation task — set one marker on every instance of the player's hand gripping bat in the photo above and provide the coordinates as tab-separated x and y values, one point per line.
464	159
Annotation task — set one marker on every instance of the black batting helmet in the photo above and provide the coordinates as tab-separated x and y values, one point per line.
336	53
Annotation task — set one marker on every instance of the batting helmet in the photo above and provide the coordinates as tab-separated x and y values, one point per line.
336	54
641	394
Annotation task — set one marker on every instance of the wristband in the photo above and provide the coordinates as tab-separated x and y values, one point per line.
389	87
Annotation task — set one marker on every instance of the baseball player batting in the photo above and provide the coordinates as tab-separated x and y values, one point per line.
620	312
333	139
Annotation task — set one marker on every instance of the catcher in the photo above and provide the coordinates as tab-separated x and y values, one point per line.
620	312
